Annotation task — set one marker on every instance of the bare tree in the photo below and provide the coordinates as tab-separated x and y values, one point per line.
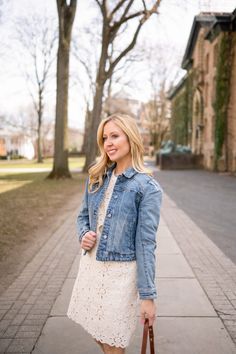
66	14
87	58
113	20
162	71
24	122
157	117
85	75
37	38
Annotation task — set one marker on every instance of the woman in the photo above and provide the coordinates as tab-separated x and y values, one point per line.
117	227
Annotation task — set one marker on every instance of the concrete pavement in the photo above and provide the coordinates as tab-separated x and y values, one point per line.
209	199
194	278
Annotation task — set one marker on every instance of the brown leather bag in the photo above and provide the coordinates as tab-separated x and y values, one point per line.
147	330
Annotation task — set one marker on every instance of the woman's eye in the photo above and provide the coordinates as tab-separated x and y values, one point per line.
114	136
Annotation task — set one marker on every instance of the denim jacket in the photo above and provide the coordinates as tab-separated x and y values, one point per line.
130	224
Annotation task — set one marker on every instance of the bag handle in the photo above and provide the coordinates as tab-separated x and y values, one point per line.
147	330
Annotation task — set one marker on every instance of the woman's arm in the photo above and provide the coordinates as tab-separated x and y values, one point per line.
83	224
148	221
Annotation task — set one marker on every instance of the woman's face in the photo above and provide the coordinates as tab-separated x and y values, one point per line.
116	143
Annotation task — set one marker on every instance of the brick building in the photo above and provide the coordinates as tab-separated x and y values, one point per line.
208	91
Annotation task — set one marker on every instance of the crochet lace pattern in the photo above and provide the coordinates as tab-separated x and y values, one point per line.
105	297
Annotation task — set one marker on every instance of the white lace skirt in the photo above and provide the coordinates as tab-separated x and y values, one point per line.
104	299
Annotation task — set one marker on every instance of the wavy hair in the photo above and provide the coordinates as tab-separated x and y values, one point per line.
130	128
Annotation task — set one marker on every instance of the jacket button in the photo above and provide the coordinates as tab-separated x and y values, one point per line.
109	215
105	236
115	196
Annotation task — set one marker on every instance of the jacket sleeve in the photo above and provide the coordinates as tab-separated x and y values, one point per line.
145	245
83	224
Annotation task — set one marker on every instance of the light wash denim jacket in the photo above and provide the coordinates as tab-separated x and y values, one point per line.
130	224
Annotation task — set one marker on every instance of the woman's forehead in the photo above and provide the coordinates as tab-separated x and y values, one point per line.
111	127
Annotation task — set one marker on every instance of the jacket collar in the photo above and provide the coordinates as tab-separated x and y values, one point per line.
128	173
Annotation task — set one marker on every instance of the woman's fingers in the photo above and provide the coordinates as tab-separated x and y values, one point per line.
142	317
151	320
148	310
88	240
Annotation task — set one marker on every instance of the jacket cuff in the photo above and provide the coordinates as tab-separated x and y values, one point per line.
82	234
147	294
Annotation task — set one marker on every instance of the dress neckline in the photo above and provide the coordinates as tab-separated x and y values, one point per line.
114	175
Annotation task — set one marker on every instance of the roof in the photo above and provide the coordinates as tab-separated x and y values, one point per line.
222	21
221	24
176	88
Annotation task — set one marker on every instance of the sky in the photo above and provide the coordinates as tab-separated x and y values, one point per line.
169	30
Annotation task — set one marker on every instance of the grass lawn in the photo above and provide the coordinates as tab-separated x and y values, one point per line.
15	181
28	206
74	162
33	198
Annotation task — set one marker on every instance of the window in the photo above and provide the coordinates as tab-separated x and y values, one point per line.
206	94
207	63
215	54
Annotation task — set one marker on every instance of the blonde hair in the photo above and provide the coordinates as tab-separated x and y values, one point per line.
129	127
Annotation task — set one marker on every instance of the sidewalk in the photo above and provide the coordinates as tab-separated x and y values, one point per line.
33	309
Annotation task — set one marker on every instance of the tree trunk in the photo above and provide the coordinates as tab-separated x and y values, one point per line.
106	64
60	165
95	119
39	143
40	114
87	129
66	17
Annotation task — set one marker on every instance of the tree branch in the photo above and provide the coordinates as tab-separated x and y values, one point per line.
144	5
102	7
116	8
124	52
146	16
125	19
99	4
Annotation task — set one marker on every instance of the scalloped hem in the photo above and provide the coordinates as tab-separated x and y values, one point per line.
107	342
98	338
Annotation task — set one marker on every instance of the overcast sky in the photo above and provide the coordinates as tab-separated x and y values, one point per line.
171	28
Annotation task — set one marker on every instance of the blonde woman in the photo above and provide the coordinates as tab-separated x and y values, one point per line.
117	227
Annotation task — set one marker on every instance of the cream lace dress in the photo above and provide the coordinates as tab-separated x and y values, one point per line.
104	298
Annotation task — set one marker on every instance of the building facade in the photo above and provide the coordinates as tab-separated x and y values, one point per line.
16	143
210	90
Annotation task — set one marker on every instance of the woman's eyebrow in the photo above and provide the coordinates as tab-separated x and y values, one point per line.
112	133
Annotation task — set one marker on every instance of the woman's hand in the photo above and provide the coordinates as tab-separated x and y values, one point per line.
148	310
88	240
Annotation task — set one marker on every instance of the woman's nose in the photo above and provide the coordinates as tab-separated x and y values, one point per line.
108	142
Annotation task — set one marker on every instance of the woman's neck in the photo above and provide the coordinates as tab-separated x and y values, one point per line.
121	167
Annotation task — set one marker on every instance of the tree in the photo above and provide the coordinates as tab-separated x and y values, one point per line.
162	71
37	38
87	58
66	14
157	117
113	21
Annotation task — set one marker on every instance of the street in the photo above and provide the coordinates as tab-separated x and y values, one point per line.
209	199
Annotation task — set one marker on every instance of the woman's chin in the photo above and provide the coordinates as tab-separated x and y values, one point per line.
113	159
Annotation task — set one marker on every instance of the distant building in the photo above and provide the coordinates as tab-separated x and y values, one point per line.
75	141
16	143
155	119
206	97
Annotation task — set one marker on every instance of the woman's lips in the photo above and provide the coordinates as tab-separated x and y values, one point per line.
111	151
